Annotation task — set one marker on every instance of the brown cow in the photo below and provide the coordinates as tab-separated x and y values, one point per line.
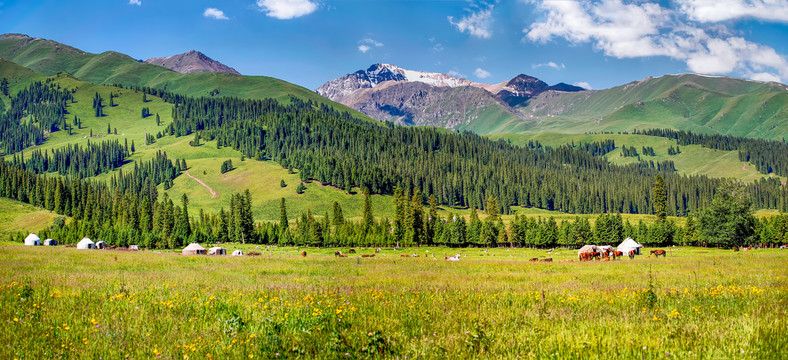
617	254
657	253
534	259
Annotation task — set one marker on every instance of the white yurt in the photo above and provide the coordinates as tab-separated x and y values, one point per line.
50	242
588	249
216	250
33	240
134	248
86	243
194	249
238	253
101	244
629	244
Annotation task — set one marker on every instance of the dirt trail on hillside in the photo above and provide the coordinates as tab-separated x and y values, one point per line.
214	194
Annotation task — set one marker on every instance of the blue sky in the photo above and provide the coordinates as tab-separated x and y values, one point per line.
596	44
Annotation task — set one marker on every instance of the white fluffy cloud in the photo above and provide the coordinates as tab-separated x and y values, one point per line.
549	64
135	2
723	10
631	30
481	73
456	74
476	23
286	9
365	45
214	13
583	85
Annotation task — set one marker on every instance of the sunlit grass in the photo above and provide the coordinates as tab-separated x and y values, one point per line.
695	303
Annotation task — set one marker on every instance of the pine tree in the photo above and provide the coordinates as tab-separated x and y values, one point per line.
4	86
283	224
367	212
282	183
338	219
659	198
492	208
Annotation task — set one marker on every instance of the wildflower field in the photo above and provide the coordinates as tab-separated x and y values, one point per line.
696	303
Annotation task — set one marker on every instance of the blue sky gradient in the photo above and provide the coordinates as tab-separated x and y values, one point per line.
595	44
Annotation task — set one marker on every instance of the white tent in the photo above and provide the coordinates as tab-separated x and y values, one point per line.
627	245
588	249
50	242
238	253
101	244
216	250
33	240
194	249
86	243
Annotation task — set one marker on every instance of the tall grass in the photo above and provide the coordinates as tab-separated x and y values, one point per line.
696	303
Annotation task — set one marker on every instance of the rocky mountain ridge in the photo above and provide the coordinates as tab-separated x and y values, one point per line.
191	62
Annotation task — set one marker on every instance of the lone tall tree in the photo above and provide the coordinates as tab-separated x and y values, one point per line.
368	220
659	199
283	215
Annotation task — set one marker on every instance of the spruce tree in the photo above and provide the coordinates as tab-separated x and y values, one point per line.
659	198
338	219
367	212
283	224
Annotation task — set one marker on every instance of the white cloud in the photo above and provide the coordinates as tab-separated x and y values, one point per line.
632	30
135	2
723	10
583	85
456	74
549	64
367	44
481	73
476	23
214	13
286	9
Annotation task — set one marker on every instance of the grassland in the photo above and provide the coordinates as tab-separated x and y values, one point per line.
694	304
17	216
693	159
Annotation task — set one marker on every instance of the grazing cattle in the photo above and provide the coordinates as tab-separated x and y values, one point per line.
657	253
631	254
352	251
617	254
365	255
586	256
534	259
547	260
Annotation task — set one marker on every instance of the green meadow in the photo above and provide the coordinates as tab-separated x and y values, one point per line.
696	303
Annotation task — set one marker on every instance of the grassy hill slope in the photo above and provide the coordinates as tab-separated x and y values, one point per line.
109	68
693	159
17	216
702	104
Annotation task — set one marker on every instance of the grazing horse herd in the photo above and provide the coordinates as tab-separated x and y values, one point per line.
603	254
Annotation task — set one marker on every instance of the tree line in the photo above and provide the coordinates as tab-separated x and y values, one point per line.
45	105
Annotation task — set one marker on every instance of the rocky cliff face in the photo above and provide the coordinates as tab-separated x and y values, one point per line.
390	93
192	62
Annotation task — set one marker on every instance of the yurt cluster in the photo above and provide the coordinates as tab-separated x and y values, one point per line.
628	247
87	244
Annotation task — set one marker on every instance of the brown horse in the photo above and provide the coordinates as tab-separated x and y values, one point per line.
547	260
617	254
534	259
657	253
366	255
631	254
404	255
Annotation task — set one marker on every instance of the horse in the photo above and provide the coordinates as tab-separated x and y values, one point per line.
547	260
617	254
337	253
366	255
404	255
352	251
657	253
631	254
534	259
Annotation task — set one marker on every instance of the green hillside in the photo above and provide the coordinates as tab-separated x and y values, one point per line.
693	159
701	104
17	216
110	68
